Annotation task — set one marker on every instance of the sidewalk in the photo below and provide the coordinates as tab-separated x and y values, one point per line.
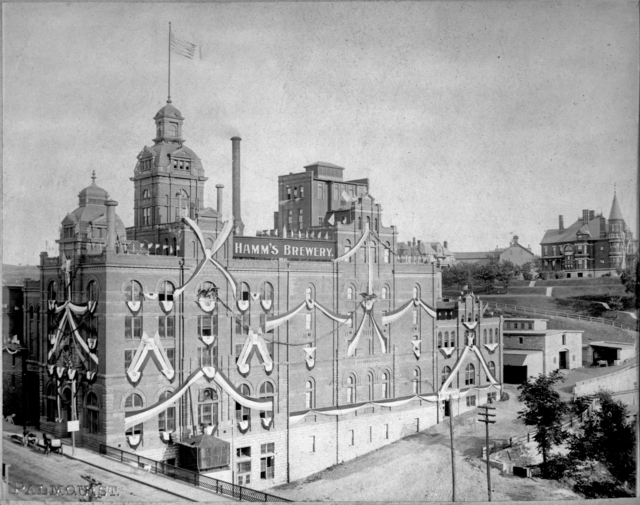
181	490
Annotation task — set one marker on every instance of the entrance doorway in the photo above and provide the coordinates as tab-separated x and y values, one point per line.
447	408
563	360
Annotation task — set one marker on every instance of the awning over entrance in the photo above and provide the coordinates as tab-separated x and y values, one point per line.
519	357
203	452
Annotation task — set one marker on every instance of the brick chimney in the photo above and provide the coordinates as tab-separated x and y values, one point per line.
111	225
603	227
446	244
592	214
560	224
585	216
238	225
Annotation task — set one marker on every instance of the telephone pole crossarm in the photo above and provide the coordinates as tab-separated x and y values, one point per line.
485	417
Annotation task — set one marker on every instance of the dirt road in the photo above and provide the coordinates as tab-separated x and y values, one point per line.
30	467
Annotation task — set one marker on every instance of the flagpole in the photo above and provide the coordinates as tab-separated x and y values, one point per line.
169	70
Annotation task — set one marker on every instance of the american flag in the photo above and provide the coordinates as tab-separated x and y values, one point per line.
182	47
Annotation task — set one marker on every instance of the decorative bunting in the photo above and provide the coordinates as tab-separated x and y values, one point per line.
447	351
134	306
393	315
151	296
134	440
469	348
254	340
263	404
207	304
243	305
208	255
310	356
51	305
60	370
275	321
166	306
93	343
243	426
356	247
266	305
209	429
339	318
416	347
255	296
208	339
155	346
470	325
427	308
52	369
71	373
491	347
91	376
165	436
266	422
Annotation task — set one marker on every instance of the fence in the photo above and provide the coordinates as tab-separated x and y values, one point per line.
544	312
573	420
189	476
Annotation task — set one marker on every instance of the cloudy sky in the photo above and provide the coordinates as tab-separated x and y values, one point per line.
474	121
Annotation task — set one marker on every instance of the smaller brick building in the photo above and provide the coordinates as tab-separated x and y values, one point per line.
525	339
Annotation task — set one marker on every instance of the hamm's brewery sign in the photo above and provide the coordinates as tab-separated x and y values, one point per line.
274	247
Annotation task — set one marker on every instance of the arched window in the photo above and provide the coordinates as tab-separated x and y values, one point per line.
369	385
91	413
165	247
145	193
310	394
243	413
133	402
266	391
492	370
440	342
267	291
52	403
384	293
453	339
301	191
208	402
133	292
167	419
349	293
416	381
194	249
386	252
245	291
446	339
359	223
175	246
416	291
173	129
295	191
491	335
92	291
351	389
52	291
347	248
375	225
484	336
444	375
308	293
243	320
469	375
385	385
209	242
368	222
207	289
166	291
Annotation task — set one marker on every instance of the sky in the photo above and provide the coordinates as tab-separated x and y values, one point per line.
473	121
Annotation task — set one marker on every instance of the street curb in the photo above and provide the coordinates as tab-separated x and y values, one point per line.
130	478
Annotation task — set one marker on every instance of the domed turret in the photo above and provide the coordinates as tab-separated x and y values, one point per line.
92	194
168	124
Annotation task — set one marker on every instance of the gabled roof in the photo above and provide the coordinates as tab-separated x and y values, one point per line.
569	233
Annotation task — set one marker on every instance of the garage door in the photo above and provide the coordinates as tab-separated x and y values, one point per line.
515	374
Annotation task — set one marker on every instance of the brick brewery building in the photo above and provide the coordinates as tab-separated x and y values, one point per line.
259	359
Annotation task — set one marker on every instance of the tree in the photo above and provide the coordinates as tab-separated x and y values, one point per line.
486	274
615	303
505	273
608	437
544	410
629	278
526	269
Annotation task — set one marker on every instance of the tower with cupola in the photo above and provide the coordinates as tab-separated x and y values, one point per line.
168	184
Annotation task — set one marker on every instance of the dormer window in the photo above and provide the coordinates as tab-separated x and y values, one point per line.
181	164
68	232
173	129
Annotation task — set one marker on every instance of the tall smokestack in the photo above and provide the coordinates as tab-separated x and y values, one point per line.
111	225
560	224
219	188
238	225
585	216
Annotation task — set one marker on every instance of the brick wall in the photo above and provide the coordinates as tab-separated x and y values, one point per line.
620	380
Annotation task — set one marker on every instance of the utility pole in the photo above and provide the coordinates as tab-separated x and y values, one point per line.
484	418
453	459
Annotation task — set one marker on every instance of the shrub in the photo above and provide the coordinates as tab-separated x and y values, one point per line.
557	466
543	275
504	397
527	276
590	488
